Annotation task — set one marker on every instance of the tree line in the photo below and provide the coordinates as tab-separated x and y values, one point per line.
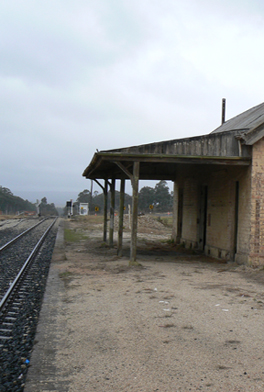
157	199
11	204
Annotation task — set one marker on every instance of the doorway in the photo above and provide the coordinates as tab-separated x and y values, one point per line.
180	215
236	217
203	217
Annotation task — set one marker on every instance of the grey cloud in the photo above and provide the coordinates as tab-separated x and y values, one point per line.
80	75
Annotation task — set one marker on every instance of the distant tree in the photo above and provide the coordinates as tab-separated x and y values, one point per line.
5	191
47	209
163	198
60	211
97	200
44	201
146	197
160	197
84	196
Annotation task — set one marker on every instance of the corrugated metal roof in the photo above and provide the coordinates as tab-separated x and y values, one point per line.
245	121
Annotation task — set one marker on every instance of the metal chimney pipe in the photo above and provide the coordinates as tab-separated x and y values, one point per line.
223	110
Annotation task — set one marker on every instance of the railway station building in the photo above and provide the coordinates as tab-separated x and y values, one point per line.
218	178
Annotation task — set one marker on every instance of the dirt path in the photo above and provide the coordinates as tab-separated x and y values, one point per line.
181	322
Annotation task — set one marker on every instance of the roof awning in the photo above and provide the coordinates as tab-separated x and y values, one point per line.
118	165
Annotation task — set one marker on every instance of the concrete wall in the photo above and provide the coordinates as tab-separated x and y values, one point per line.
221	215
190	212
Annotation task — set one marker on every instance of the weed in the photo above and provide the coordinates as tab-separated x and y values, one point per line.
166	221
170	241
169	325
169	296
233	341
222	367
104	245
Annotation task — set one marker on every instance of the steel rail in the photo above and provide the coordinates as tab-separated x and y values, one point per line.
20	235
26	264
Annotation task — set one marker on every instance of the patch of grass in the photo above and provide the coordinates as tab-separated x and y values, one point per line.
73	236
135	264
104	245
90	219
170	241
66	275
198	271
166	221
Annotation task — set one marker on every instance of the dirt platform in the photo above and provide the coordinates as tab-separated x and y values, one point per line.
179	322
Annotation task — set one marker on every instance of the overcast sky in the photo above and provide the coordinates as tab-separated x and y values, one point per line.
76	76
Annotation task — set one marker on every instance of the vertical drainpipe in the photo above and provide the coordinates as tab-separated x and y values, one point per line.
223	110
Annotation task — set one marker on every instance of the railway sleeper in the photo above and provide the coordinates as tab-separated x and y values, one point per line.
6	330
6	337
10	318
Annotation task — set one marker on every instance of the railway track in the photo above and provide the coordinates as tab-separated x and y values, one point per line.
24	265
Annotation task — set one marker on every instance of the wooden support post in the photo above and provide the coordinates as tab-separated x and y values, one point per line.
121	218
112	214
105	211
175	212
133	245
105	207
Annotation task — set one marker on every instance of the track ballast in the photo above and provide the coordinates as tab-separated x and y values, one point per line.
19	315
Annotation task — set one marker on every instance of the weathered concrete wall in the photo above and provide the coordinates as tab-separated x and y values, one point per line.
221	240
190	212
220	215
175	211
257	205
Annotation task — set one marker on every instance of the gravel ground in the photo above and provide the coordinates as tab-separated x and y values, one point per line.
180	322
